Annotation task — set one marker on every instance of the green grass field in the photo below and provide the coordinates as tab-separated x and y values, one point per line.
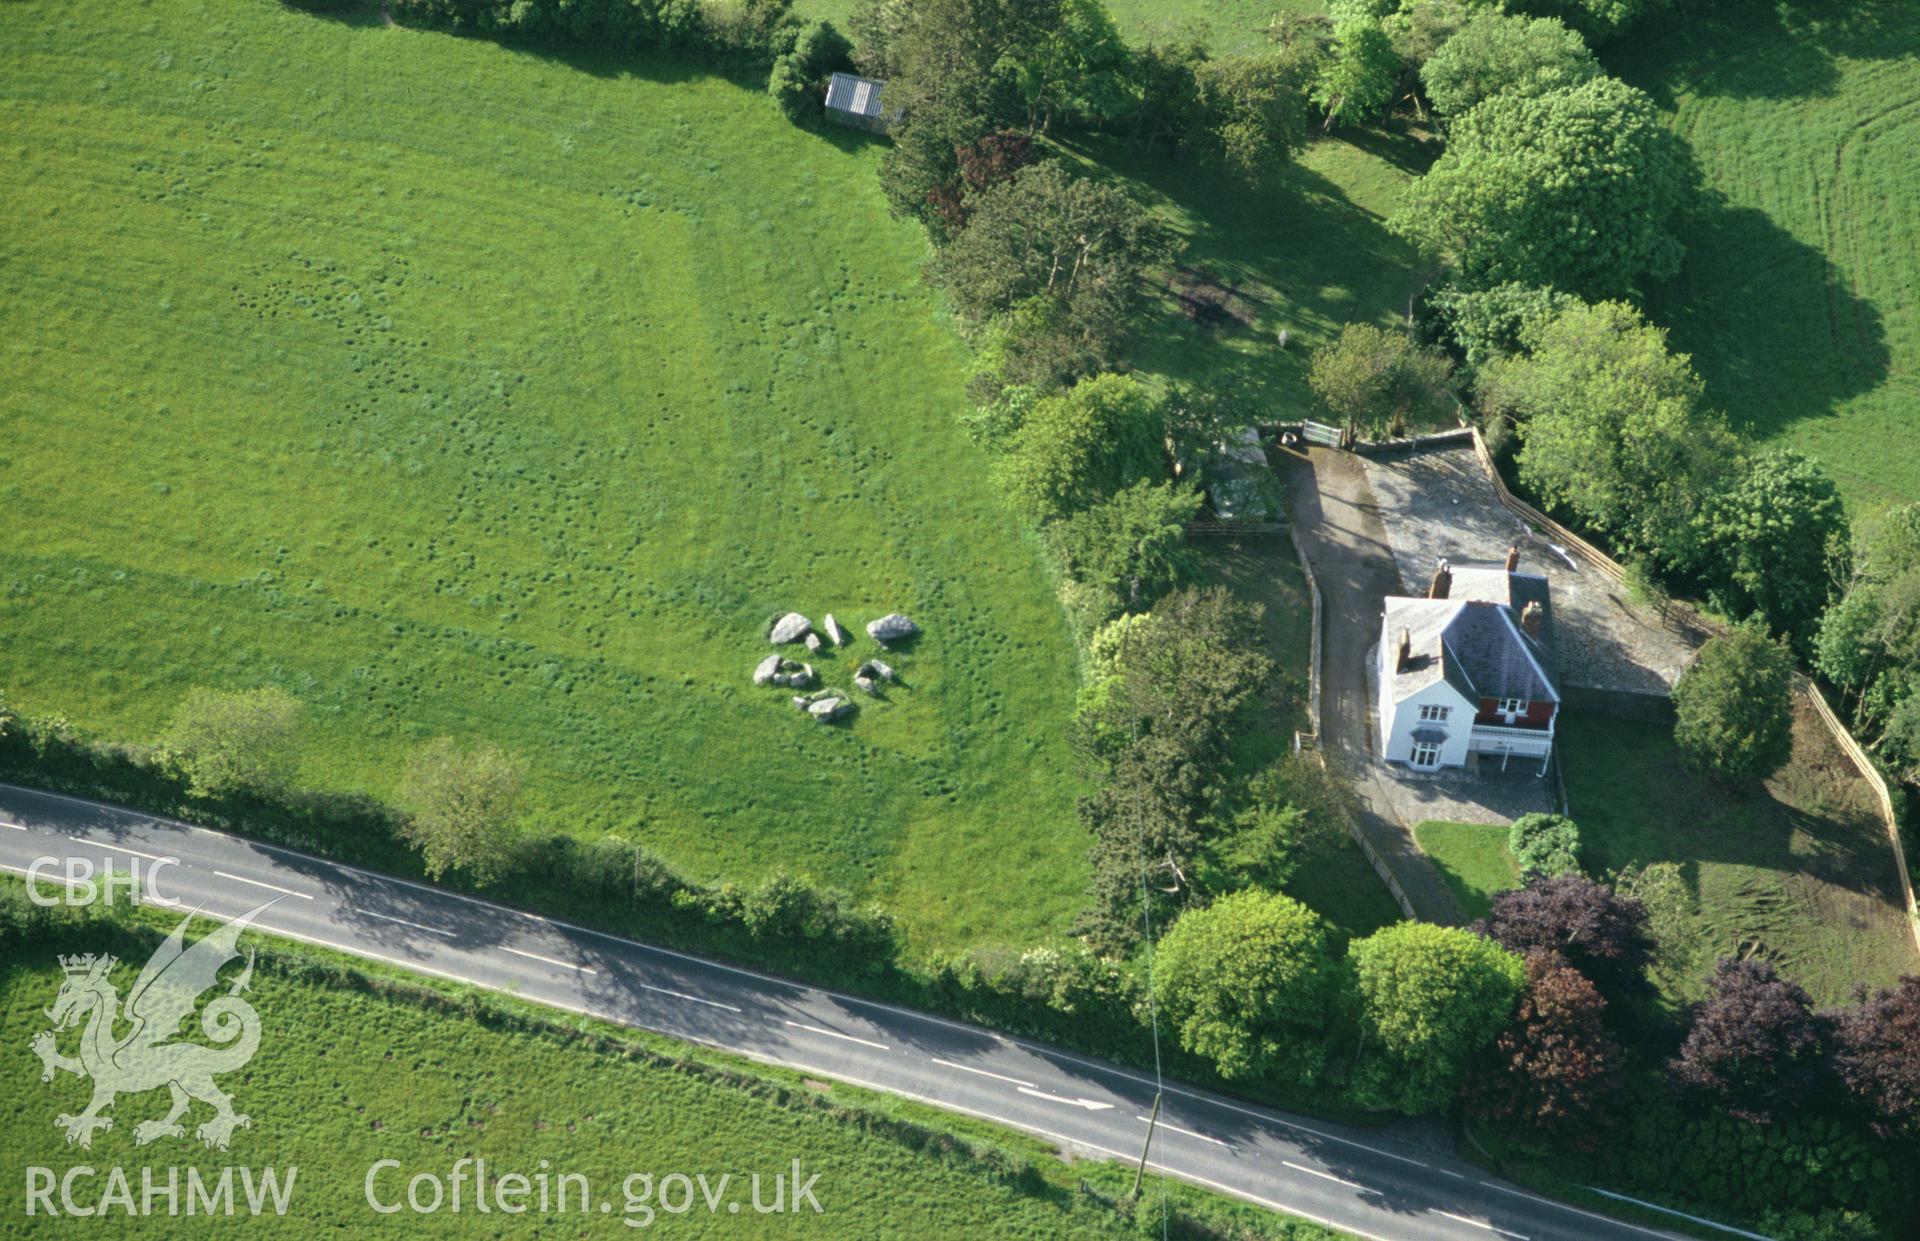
459	389
1472	859
1800	297
1225	25
346	1076
1796	869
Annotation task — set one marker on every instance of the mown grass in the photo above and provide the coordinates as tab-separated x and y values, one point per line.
1798	297
1472	859
351	1071
1795	869
465	389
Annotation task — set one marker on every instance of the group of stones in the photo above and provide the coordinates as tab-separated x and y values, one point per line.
828	705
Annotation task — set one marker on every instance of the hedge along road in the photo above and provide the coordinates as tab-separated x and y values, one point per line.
1345	1178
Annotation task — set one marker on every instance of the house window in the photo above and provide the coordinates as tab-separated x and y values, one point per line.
1426	755
1513	706
1434	714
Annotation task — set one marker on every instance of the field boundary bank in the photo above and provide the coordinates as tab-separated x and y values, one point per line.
1691	618
1374	859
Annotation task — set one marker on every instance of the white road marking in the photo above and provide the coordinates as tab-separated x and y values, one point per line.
44	877
1654	1206
964	1068
1090	1104
691	999
1161	1124
1606	1219
431	930
1479	1224
836	1034
565	965
1325	1176
271	887
1458	1176
101	844
18	827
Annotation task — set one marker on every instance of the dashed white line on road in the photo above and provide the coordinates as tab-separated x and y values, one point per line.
1480	1224
431	930
1092	1105
691	999
967	1068
836	1034
271	887
1458	1176
101	844
62	880
18	827
1325	1176
1188	1132
565	965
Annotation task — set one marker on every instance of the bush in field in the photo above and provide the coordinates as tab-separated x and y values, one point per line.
1246	982
462	804
1734	707
234	742
1430	999
1544	844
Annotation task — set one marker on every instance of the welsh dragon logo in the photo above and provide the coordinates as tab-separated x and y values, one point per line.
152	1052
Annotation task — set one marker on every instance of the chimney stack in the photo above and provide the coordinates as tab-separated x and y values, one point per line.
1513	557
1530	619
1406	651
1442	582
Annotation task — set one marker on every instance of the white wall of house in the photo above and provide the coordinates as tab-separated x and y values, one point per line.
1398	720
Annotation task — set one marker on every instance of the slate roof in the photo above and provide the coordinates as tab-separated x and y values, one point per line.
1473	642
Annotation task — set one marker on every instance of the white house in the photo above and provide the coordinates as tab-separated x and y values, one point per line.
1469	670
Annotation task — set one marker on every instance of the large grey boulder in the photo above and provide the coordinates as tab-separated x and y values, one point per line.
829	708
892	627
835	631
868	676
768	671
790	628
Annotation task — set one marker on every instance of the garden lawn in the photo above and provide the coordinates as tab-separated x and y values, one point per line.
461	389
1800	296
345	1077
1796	869
1472	859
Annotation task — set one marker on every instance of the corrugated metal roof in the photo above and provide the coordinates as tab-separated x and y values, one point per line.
859	96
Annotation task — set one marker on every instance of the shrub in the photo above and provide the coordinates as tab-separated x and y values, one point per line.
798	79
1754	1047
1734	707
461	804
1600	933
226	743
1544	844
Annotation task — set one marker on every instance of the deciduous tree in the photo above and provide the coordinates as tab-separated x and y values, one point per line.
1876	1056
1599	932
1753	1046
226	742
1078	448
1357	82
1378	381
1555	1071
1430	998
1496	54
1771	543
462	803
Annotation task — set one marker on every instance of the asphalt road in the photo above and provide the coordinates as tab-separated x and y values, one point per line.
1351	1179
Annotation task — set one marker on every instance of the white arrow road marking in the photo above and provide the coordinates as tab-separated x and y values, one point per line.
691	999
1325	1176
565	965
836	1034
1479	1224
1090	1104
1013	1081
271	887
1161	1124
431	930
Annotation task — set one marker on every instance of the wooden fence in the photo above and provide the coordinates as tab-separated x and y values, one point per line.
1691	618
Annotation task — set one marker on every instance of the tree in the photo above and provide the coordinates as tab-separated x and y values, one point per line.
1576	189
1076	449
1250	112
1599	20
1430	998
1876	1056
462	803
1497	54
1869	641
799	74
1357	83
1545	844
1380	381
1133	544
1734	707
1753	1046
224	742
1599	932
1770	542
1079	246
1612	428
1504	319
1554	1071
1077	67
1247	982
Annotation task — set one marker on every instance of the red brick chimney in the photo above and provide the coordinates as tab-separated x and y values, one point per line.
1442	582
1513	557
1530	619
1405	656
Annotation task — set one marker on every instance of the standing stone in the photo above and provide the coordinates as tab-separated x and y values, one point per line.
790	628
768	670
892	627
834	631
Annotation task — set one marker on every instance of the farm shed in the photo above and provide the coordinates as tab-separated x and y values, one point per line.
856	101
